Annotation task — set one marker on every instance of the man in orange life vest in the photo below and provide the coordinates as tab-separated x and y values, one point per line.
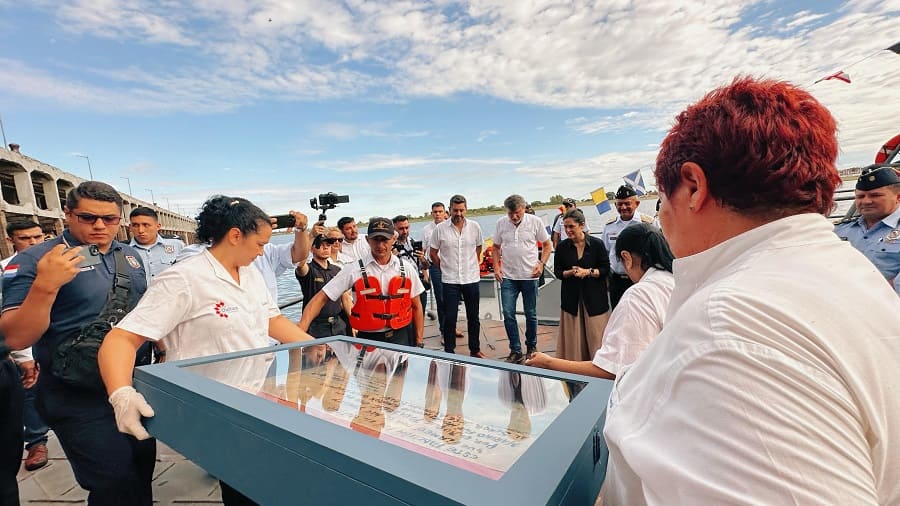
387	288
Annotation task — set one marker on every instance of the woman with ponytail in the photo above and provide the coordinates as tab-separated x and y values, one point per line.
211	303
639	316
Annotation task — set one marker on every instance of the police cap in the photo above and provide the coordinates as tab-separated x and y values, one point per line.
876	176
625	191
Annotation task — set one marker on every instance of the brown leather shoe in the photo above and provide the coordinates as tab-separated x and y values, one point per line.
36	458
478	354
459	335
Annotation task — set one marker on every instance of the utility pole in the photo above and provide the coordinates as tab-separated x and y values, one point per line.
129	184
2	129
152	198
90	171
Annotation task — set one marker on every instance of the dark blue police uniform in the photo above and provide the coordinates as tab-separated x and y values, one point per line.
115	468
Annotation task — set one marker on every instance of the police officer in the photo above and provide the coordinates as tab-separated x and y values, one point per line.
56	291
158	252
626	205
876	233
387	291
314	275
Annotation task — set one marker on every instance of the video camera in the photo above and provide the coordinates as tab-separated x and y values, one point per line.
327	201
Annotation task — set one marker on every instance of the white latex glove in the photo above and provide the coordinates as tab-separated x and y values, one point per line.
130	406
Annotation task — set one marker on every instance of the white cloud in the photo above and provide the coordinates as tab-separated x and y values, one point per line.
376	162
486	134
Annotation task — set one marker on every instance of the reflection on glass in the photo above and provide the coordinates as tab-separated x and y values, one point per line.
474	417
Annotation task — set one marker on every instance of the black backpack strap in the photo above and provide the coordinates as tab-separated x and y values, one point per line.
365	277
117	302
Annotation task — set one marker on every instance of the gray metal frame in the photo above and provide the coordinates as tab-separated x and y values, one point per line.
276	456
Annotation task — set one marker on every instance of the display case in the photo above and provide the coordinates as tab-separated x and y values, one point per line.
342	421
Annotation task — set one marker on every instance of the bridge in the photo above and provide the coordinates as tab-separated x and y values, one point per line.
34	190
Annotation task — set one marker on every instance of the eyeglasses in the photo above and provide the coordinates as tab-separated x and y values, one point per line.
329	241
90	219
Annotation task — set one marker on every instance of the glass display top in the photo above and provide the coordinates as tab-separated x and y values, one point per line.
473	417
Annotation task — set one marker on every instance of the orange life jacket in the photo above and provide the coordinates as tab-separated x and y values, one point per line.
373	310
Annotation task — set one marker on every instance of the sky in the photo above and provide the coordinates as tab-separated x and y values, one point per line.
398	104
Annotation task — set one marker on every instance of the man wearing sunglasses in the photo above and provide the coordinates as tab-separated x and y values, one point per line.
55	290
314	275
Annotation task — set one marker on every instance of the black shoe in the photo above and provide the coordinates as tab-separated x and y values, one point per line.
529	351
515	357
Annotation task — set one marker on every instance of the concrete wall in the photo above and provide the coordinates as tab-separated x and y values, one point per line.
34	190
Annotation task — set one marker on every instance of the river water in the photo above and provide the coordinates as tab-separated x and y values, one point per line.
289	289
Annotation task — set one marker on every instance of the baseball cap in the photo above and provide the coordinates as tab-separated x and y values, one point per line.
380	227
568	202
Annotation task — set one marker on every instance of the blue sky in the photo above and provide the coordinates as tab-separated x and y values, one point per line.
402	103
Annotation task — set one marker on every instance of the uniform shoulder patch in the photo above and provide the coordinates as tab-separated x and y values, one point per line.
610	222
132	262
646	219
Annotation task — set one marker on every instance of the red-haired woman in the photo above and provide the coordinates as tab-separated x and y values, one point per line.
774	379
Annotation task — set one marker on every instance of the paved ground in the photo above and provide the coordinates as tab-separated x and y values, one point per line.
178	481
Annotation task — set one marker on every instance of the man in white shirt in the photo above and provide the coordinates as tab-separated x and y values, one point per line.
626	205
517	269
352	247
387	289
439	214
455	247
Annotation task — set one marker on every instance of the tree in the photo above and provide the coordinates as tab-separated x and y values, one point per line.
556	199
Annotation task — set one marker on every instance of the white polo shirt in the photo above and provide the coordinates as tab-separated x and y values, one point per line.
456	250
773	381
636	321
197	309
518	245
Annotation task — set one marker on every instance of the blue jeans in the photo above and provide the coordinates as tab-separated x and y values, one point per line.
35	427
509	291
470	295
437	286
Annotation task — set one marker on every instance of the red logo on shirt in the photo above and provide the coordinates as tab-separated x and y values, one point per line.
220	309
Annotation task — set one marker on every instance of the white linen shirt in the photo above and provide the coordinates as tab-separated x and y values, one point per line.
518	245
636	321
426	235
456	250
197	309
773	381
348	275
356	249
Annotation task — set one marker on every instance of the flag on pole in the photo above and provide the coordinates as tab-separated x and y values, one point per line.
599	197
840	76
895	48
636	181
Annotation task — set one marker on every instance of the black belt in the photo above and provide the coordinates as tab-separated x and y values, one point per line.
326	319
620	276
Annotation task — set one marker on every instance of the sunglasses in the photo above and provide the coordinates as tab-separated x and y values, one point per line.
329	241
90	219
